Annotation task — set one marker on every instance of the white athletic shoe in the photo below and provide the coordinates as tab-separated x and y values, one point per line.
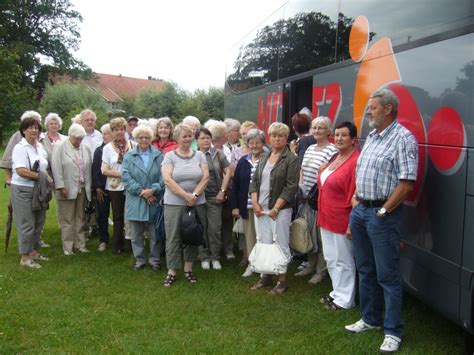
216	265
360	326
390	344
206	265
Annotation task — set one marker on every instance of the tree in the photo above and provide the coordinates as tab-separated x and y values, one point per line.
14	96
152	103
33	32
67	100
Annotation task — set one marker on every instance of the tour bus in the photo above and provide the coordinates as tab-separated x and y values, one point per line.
329	56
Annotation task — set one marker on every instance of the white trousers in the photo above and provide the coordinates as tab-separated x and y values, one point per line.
339	257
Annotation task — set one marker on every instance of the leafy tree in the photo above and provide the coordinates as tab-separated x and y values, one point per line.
152	103
67	100
14	97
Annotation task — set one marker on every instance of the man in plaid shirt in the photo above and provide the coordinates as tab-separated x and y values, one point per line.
386	173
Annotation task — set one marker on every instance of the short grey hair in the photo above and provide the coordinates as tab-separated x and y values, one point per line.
386	97
255	133
53	117
76	130
30	114
105	128
140	129
231	124
192	121
87	111
324	121
182	127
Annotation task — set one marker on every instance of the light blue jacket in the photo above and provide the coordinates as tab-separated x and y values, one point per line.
136	177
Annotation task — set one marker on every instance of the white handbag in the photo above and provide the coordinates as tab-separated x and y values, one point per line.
267	258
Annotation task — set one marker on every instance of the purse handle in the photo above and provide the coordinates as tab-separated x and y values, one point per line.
273	223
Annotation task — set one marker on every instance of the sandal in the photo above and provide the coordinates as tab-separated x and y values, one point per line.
279	288
169	280
332	306
189	276
263	282
326	299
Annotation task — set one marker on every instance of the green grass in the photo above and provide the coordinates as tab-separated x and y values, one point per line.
95	303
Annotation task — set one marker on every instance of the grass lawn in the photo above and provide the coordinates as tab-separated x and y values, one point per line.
96	303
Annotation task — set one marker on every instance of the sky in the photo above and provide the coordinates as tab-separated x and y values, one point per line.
186	42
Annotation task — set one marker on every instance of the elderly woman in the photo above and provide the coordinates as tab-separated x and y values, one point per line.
195	124
219	179
185	174
141	174
241	201
99	181
164	141
112	160
301	124
71	165
29	167
53	124
315	156
336	184
273	188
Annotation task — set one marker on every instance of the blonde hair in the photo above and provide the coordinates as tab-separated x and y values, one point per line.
167	121
247	125
182	127
278	129
118	122
218	129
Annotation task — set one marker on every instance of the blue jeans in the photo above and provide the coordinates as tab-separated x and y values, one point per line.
376	242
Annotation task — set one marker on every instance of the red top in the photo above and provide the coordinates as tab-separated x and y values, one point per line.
334	199
165	147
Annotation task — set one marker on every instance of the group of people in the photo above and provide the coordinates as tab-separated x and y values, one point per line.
150	171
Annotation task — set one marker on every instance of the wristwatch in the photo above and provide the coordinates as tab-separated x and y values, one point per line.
195	195
382	212
222	190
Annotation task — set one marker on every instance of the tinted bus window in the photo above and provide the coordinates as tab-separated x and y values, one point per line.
404	20
301	36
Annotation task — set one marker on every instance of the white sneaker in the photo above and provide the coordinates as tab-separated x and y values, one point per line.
390	344
303	265
205	265
102	247
230	256
216	265
30	263
83	250
360	326
248	272
43	244
40	257
68	252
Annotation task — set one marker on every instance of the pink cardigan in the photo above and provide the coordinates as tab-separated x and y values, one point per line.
334	200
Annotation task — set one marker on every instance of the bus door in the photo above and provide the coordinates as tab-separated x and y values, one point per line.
298	95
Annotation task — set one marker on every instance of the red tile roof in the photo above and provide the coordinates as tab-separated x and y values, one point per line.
114	88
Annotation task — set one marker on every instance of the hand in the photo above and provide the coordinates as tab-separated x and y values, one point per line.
273	214
63	192
258	211
235	213
348	233
191	200
100	195
151	200
220	198
50	181
146	193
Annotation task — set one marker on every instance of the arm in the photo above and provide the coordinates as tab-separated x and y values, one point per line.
130	183
399	195
225	184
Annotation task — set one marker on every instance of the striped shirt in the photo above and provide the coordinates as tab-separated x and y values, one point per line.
387	158
312	160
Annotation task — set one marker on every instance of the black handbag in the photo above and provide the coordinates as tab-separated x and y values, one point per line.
192	229
313	197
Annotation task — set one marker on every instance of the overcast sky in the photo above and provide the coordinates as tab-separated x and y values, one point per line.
183	41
